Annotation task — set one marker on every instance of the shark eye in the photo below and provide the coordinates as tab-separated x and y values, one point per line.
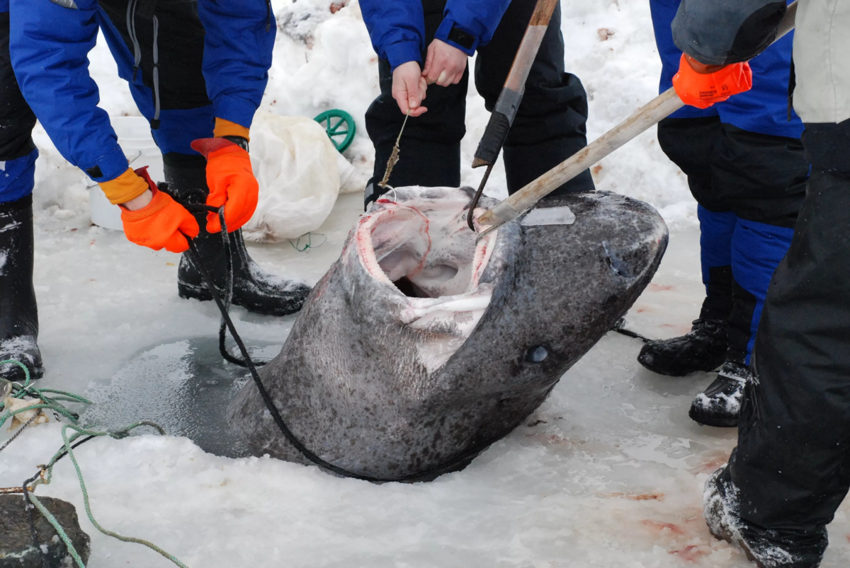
536	354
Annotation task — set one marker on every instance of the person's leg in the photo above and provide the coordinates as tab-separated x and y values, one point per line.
430	145
689	143
791	471
550	125
762	178
180	111
18	309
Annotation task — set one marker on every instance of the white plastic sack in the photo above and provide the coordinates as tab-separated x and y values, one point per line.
299	173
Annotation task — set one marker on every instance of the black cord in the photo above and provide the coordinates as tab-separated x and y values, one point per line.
620	327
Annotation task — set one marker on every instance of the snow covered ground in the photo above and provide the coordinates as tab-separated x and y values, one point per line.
607	473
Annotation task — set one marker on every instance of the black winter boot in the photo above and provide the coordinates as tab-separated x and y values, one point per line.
18	310
254	289
703	349
766	548
720	404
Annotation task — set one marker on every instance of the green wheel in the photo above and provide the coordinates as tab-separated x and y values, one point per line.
339	126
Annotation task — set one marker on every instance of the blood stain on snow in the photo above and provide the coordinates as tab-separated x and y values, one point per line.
692	552
660	287
654	496
712	462
605	34
663	528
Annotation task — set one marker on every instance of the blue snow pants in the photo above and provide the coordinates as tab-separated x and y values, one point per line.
746	169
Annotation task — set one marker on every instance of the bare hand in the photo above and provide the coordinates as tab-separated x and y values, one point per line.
444	64
409	88
139	202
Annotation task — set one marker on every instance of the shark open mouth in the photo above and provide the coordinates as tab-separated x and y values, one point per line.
423	249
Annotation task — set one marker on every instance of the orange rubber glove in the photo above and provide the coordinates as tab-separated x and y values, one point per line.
162	223
707	85
231	181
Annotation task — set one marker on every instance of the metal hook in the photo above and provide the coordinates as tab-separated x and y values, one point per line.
477	197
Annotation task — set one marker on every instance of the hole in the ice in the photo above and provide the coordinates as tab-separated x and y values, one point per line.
536	354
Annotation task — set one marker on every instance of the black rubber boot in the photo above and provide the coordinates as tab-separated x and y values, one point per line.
18	310
720	404
702	349
253	288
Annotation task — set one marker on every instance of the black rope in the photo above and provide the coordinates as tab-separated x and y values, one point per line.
20	431
620	327
228	287
227	324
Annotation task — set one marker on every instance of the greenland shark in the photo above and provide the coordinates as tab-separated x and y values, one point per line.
424	344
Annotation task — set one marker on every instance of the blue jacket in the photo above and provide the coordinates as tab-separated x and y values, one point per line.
49	46
397	27
763	109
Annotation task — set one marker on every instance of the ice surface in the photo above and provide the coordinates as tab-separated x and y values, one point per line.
608	473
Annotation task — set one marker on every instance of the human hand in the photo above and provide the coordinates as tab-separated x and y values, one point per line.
231	181
409	88
701	85
444	64
159	223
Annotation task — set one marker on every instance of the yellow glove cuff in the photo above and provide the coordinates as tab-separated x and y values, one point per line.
124	188
227	128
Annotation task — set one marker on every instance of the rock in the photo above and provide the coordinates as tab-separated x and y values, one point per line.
17	549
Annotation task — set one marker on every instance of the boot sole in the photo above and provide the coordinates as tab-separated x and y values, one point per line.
189	292
669	368
715	421
726	537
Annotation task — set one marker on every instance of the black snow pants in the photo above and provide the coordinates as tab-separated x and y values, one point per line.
792	463
17	150
548	129
749	188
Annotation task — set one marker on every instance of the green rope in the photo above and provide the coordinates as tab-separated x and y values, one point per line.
58	528
297	244
52	403
68	450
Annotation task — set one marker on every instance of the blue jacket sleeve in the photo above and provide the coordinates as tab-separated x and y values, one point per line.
396	28
49	45
237	55
478	18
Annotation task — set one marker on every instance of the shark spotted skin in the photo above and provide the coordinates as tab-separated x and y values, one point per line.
421	347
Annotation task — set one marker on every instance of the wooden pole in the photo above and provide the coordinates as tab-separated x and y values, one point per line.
644	118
